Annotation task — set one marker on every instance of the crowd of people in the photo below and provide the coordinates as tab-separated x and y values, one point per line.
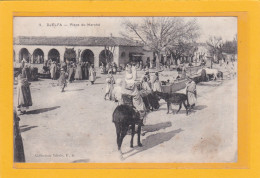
64	72
139	89
75	70
131	85
109	67
69	71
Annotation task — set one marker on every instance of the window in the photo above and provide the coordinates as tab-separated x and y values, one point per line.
123	54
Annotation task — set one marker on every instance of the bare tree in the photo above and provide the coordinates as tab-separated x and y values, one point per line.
159	33
215	45
109	53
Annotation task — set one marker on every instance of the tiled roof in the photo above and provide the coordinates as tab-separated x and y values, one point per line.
74	41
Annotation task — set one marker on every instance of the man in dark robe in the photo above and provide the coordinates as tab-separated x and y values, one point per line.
17	140
204	77
83	70
86	71
24	98
26	72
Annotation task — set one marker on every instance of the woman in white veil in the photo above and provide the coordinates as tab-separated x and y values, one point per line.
129	88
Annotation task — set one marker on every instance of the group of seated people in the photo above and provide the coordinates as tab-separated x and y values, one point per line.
138	91
28	71
110	66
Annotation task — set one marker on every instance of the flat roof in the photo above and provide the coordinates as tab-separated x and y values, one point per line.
75	41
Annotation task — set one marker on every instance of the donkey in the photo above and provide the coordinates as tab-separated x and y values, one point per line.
151	101
174	98
123	117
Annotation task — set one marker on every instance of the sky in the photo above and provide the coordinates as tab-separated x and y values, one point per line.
226	27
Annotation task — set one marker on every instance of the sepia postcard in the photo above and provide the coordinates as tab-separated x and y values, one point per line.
125	89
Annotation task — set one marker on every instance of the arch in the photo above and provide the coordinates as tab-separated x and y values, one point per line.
105	56
24	54
38	56
54	55
87	56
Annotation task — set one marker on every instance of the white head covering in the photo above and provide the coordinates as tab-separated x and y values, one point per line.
129	80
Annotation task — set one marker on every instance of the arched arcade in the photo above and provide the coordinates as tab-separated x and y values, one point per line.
24	54
54	55
87	56
38	56
105	57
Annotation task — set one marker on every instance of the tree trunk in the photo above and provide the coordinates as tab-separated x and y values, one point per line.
158	59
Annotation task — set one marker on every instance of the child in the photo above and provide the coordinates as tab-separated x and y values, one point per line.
110	85
62	80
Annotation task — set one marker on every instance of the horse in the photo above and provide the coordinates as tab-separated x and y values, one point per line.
123	117
213	72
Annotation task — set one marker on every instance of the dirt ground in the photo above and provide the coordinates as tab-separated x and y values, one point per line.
76	126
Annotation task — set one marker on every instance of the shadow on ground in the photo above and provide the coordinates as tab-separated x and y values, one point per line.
183	110
211	83
38	111
26	128
95	83
154	140
200	107
156	127
23	126
74	90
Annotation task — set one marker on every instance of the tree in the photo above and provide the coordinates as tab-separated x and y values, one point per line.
109	53
181	49
106	56
230	47
215	45
160	33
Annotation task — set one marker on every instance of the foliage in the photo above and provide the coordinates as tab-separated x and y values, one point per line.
230	47
162	33
217	47
182	49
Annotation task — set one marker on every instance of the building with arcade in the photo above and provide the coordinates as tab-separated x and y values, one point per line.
36	50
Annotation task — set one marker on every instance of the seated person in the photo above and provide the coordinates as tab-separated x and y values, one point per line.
145	88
